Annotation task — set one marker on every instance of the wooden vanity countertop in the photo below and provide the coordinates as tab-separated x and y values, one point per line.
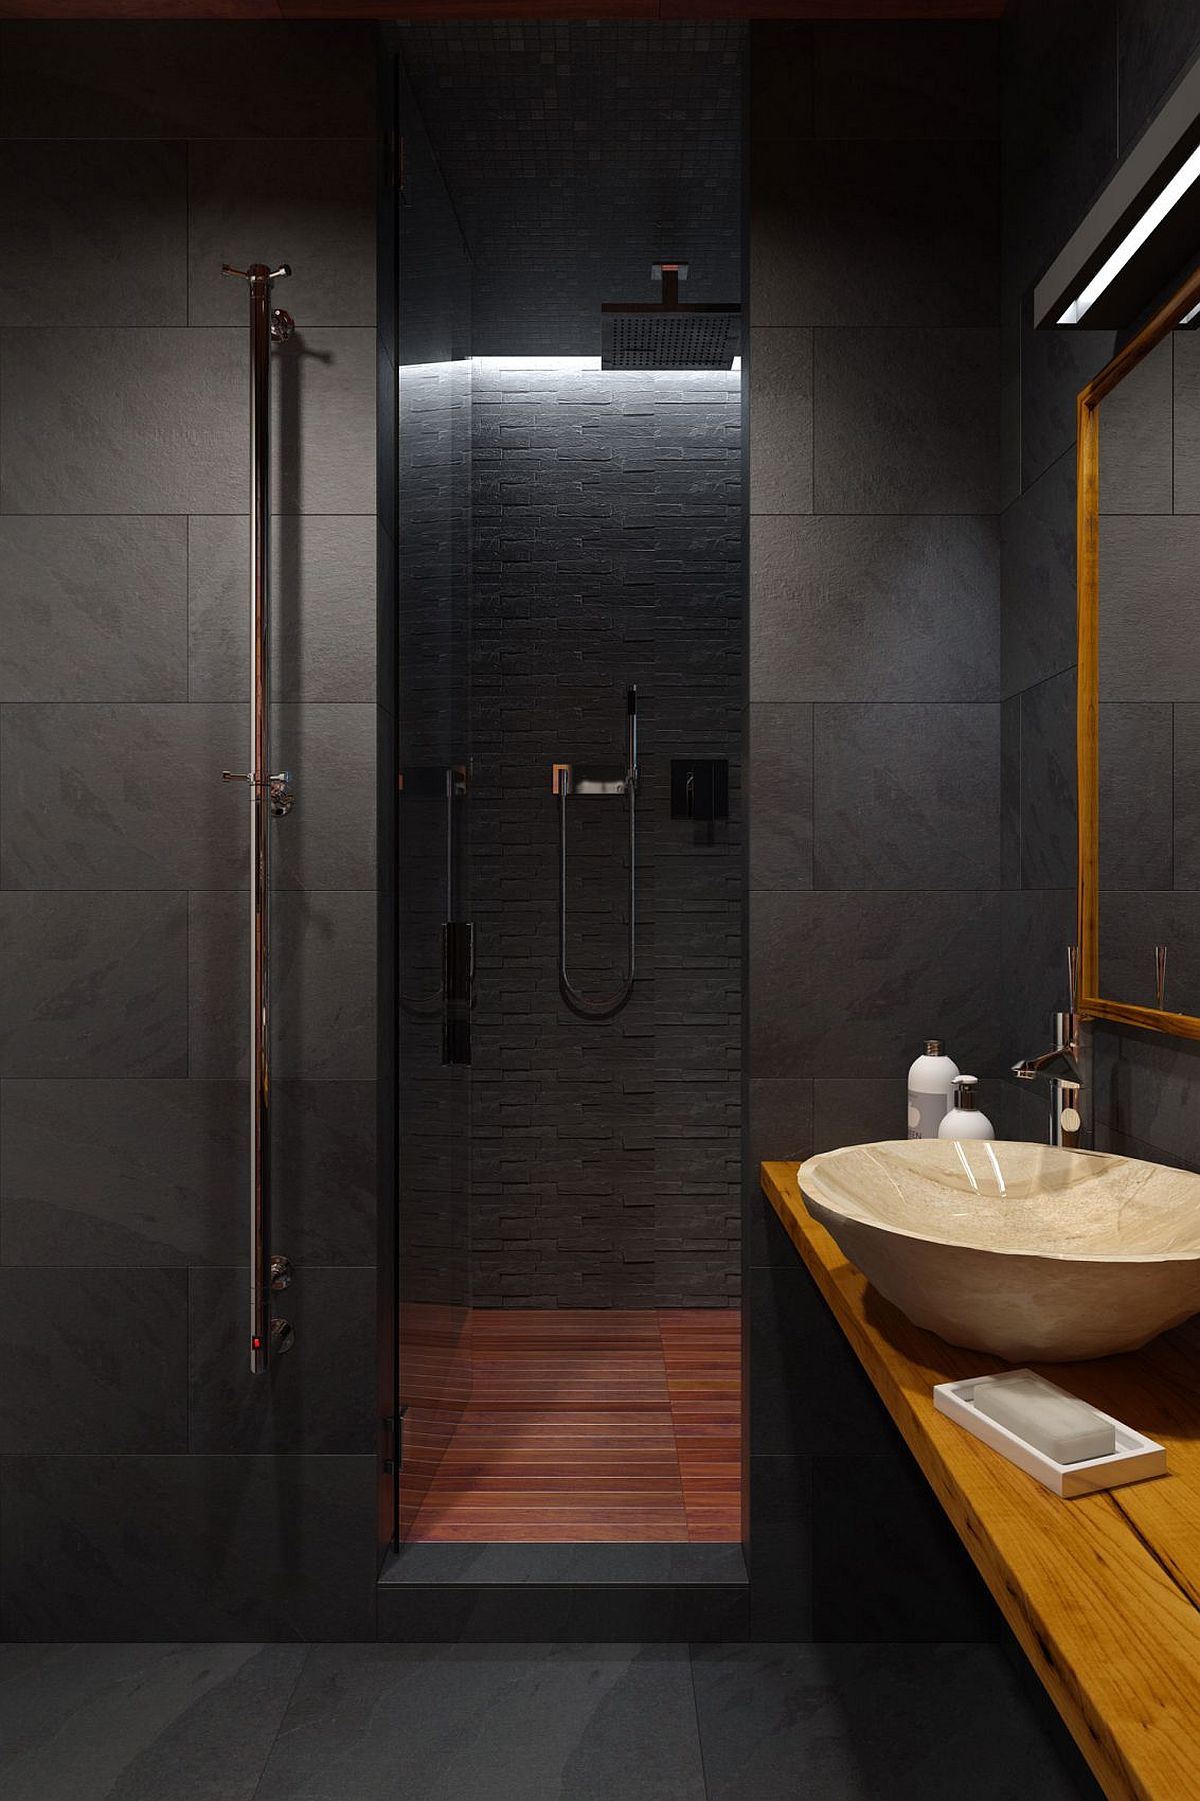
1103	1592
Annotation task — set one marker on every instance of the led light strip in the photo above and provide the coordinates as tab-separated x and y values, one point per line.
1133	240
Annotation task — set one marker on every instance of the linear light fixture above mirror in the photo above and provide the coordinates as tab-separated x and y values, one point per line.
1141	231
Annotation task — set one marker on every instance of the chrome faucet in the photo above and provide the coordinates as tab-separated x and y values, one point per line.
1060	1065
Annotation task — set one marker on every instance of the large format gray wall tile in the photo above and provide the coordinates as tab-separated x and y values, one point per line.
1037	538
781	449
322	609
905	797
323	980
1140	777
88	80
125	796
927	211
860	609
912	79
780	744
123	422
1048	783
284	200
906	421
847	984
1185	796
1135	437
227	1548
122	1173
93	984
323	424
132	1173
1149	647
93	609
93	1359
94	233
328	840
1186	420
321	1397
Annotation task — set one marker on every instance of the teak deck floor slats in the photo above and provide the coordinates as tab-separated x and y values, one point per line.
593	1425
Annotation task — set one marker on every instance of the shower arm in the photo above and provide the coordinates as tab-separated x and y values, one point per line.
609	1005
271	795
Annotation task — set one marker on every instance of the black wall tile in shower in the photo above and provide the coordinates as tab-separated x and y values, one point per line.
121	1173
1186	424
319	1396
325	1156
928	211
323	985
93	1359
906	796
866	972
125	421
113	214
88	79
117	774
906	421
112	590
310	204
856	609
93	984
322	616
229	1549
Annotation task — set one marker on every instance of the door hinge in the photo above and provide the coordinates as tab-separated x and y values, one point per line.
393	1427
393	160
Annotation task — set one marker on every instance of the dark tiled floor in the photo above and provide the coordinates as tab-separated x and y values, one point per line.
528	1723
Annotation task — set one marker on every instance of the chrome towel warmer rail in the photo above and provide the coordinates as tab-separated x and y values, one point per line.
271	795
584	781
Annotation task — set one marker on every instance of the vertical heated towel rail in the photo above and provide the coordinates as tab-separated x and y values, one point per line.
270	795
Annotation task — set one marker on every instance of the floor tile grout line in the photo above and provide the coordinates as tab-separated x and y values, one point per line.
283	1714
696	1715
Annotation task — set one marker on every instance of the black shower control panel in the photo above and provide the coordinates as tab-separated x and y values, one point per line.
700	788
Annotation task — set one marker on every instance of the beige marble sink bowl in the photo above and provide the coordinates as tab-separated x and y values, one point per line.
1020	1249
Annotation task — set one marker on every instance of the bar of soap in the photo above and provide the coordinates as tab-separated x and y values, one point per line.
1051	1421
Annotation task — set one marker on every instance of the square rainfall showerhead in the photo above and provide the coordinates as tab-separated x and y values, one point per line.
669	334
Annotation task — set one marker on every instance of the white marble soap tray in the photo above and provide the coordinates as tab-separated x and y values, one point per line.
1134	1459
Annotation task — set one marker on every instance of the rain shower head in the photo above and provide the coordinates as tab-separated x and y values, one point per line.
671	333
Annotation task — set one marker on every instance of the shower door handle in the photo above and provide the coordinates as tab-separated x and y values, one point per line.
458	982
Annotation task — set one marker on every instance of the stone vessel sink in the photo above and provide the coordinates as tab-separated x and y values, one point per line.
1025	1250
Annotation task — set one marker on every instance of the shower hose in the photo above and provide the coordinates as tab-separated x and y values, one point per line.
605	1006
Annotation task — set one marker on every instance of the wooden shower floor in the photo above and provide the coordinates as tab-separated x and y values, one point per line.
594	1425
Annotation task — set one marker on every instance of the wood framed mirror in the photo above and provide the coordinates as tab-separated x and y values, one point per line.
1138	640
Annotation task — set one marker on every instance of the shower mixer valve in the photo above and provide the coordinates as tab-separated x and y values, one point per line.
280	791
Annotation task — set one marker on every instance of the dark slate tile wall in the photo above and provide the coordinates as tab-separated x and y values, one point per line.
875	737
150	1488
607	534
1062	141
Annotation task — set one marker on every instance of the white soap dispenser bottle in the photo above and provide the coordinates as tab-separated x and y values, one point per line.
964	1119
930	1081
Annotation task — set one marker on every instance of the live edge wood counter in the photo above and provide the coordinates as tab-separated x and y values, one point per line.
1102	1592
